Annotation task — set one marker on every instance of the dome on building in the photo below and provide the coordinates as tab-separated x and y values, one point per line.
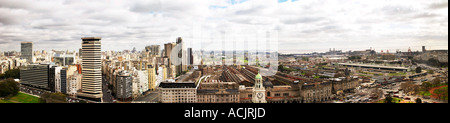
258	76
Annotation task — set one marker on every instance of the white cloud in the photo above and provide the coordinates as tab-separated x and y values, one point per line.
304	25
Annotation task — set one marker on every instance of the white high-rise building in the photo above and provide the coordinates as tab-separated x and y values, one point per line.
91	82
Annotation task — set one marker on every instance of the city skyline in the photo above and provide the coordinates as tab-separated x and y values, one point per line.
301	26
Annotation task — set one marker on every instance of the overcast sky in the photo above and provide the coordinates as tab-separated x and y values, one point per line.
293	25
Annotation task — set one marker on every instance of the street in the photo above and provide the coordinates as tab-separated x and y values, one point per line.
107	97
151	97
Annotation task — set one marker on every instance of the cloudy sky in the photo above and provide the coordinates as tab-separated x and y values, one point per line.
289	25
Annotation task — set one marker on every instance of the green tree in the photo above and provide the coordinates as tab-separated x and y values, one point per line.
13	73
436	82
53	98
8	88
280	68
418	70
442	93
418	100
426	86
388	99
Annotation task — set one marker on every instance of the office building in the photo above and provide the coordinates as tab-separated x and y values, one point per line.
190	57
44	76
184	92
91	82
63	86
35	75
27	51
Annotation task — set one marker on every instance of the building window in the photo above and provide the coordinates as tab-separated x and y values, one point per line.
277	95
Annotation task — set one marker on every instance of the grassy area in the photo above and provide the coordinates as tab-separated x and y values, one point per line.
5	101
394	100
24	98
425	93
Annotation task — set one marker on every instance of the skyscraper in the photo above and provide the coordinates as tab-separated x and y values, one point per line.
27	51
91	82
168	50
168	54
190	57
182	58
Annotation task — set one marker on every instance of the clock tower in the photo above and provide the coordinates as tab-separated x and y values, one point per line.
259	92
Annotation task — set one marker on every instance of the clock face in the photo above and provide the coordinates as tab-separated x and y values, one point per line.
260	95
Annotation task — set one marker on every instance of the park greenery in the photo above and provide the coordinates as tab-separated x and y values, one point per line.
53	98
418	70
8	88
21	98
13	73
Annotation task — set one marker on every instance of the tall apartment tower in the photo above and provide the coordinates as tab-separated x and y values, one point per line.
91	81
27	51
151	77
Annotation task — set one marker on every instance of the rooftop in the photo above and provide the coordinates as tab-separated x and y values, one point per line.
177	85
91	38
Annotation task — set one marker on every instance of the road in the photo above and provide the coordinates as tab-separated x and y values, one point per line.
107	97
151	97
